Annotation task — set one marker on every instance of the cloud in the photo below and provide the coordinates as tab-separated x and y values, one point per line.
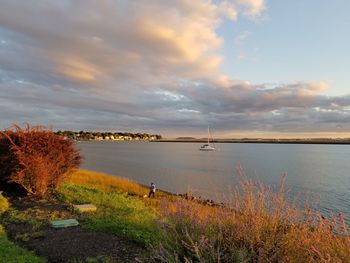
241	38
143	65
82	40
253	8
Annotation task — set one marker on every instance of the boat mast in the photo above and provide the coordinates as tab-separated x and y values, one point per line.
208	135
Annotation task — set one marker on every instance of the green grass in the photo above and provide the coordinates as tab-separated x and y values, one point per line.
13	216
116	213
10	253
99	259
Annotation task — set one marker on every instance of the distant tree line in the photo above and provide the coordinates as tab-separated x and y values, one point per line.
116	136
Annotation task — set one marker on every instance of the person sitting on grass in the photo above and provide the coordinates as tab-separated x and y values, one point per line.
152	190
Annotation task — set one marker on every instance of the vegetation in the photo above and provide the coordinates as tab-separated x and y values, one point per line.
9	252
116	212
106	182
124	136
257	225
4	204
35	158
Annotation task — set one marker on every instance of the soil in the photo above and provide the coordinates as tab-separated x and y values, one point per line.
72	244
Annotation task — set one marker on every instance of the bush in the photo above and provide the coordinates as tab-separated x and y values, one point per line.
36	158
4	204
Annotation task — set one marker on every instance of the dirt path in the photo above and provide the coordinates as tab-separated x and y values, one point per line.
66	244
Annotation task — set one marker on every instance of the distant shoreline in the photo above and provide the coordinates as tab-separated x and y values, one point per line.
274	141
266	141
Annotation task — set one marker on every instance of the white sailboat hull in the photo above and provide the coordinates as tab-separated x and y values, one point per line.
207	149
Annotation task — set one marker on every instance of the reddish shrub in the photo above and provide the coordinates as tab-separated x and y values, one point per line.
36	158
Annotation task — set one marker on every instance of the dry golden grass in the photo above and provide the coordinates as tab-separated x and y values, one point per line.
205	234
106	182
257	225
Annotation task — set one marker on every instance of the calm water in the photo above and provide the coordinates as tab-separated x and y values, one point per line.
320	171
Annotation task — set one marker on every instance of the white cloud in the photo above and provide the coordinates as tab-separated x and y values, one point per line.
241	38
253	8
188	111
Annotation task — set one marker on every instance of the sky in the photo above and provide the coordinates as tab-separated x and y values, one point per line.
247	68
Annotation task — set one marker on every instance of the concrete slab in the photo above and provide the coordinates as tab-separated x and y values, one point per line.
64	223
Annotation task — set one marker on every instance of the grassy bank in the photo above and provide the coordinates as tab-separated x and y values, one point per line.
120	213
256	225
117	213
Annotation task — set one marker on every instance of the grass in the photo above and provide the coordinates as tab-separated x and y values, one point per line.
99	259
116	184
121	211
4	204
107	183
9	252
257	224
116	213
29	217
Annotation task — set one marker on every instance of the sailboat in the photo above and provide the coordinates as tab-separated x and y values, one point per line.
207	147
